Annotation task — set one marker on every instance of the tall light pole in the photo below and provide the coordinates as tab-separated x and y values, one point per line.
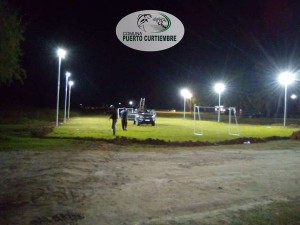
61	53
70	86
68	74
219	88
185	93
285	78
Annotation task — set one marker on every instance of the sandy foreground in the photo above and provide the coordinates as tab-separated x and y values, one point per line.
107	184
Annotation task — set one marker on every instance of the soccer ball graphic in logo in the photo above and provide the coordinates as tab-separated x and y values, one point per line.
153	23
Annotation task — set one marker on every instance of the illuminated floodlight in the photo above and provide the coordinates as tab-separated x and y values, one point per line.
219	88
186	94
293	96
130	102
61	53
286	78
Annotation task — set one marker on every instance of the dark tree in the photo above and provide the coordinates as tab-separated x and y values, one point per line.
11	36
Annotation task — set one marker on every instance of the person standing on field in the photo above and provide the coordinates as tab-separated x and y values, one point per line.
114	118
124	114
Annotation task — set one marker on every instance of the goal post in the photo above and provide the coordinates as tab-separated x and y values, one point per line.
233	130
198	130
130	110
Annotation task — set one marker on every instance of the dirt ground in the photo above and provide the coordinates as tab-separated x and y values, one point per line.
108	184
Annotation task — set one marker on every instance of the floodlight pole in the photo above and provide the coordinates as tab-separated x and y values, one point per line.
285	104
219	111
185	94
58	85
70	86
286	78
61	54
184	103
219	88
66	93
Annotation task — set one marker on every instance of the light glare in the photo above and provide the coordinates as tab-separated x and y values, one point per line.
61	53
219	88
186	93
286	78
71	83
293	96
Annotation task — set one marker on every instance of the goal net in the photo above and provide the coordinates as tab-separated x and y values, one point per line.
207	113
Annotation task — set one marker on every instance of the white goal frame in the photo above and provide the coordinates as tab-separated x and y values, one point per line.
197	117
130	110
198	129
230	129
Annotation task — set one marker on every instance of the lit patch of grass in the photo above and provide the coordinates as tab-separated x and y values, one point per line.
168	129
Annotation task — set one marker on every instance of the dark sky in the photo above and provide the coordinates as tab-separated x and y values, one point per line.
224	40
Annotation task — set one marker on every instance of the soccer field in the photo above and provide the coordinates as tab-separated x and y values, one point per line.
168	129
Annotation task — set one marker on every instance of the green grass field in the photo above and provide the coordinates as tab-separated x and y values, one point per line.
22	130
168	129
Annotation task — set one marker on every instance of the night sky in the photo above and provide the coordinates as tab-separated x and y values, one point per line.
244	43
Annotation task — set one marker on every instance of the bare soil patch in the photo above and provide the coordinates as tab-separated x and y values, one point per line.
107	184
